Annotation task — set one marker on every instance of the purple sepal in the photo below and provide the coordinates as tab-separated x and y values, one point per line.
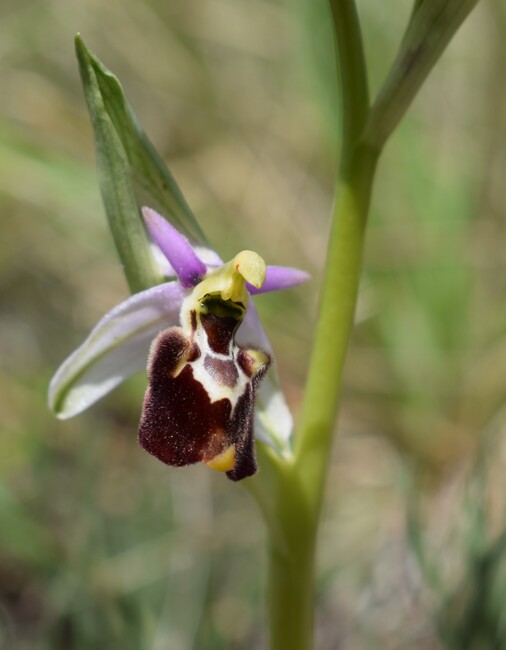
280	277
176	248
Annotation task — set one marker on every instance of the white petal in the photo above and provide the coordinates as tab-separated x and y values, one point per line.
208	256
161	261
117	347
273	420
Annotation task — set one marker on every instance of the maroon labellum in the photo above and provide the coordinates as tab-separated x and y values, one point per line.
199	405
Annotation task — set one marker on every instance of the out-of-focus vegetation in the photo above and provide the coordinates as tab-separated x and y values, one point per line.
102	546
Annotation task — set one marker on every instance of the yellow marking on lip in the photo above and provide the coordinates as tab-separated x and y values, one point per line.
223	462
259	359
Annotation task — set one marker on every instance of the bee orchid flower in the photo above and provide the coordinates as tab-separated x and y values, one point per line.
206	354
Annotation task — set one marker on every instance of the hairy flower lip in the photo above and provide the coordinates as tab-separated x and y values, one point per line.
119	344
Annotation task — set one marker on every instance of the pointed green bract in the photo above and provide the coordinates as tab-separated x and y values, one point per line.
114	176
131	173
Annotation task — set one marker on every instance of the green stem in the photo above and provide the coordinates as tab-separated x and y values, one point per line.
296	492
291	568
344	259
352	72
292	504
338	301
297	489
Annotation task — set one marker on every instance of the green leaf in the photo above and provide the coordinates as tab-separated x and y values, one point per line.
432	25
131	173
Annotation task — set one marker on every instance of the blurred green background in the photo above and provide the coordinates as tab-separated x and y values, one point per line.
103	547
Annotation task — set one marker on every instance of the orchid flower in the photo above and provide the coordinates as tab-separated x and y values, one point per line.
170	324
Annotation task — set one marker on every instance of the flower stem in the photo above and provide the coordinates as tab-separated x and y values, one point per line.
298	494
339	296
292	504
291	568
352	72
344	261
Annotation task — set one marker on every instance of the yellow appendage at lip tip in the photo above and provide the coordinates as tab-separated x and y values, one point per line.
229	280
223	462
251	266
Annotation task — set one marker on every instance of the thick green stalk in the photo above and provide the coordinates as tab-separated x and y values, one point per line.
296	485
291	550
297	491
338	301
344	260
291	567
352	73
296	496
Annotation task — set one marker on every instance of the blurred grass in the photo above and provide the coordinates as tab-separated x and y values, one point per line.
100	545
